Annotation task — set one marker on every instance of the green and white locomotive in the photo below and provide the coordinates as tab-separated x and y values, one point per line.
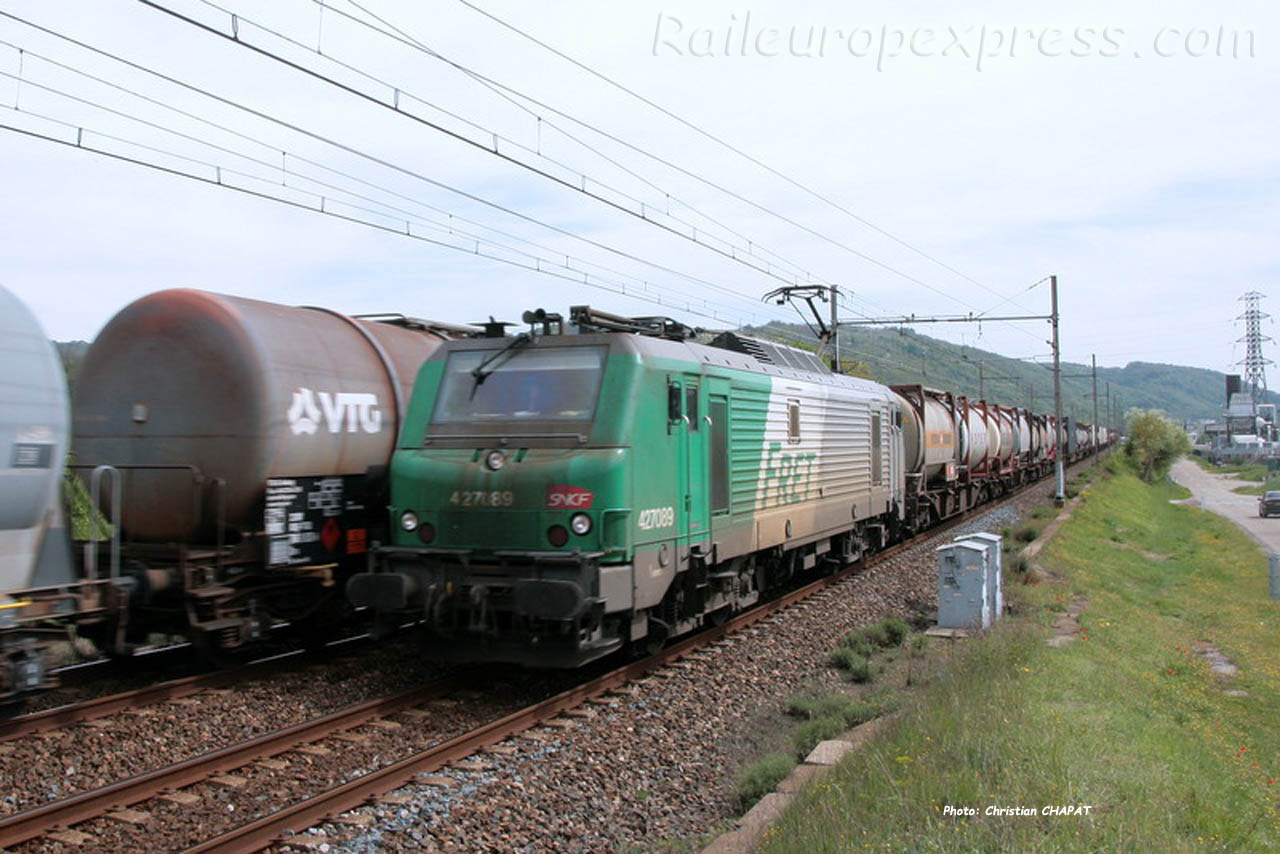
610	481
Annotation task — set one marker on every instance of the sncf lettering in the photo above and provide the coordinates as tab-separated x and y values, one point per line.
561	496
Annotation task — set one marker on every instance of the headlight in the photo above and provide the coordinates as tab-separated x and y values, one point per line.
495	460
580	524
409	520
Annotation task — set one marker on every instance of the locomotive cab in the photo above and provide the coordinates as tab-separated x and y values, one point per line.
516	497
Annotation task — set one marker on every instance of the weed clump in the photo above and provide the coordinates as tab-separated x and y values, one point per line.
809	734
857	666
1026	533
762	777
846	709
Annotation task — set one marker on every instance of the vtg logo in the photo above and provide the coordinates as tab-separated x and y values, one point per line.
560	496
358	410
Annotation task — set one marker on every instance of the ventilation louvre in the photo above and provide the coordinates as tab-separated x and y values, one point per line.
770	353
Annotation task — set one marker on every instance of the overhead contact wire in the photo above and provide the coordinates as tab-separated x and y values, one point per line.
371	158
493	151
757	162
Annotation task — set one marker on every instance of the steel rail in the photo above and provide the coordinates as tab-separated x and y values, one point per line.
172	689
98	707
29	824
268	829
326	805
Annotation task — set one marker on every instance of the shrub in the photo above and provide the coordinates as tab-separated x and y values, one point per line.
844	708
896	630
808	734
762	777
869	639
1026	533
858	643
845	658
1154	442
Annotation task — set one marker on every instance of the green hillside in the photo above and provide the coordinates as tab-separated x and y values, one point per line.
901	356
896	356
71	353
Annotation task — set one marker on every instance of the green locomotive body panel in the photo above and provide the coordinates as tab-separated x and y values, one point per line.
555	497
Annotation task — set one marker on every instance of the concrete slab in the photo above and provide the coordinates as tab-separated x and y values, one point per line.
940	632
863	733
799	778
734	842
828	753
766	811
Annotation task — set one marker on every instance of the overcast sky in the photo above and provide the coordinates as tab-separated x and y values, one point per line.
946	161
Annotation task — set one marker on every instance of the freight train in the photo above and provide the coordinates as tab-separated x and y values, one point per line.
606	482
553	496
231	457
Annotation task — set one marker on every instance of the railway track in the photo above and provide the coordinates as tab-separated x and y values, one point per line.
170	689
57	816
326	805
64	813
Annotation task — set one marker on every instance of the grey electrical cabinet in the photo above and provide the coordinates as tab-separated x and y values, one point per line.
995	569
963	586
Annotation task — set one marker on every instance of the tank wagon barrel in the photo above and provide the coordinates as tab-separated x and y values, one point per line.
250	440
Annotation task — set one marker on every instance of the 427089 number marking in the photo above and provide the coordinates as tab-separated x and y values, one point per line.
658	517
482	499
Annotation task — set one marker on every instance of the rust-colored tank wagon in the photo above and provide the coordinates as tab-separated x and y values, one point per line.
249	440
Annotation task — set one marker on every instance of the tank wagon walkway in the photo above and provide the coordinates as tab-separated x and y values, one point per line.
1213	493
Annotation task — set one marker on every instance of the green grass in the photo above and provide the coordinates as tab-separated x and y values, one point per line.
870	639
1127	719
857	647
85	521
1027	532
1269	484
856	666
810	733
1251	471
849	711
762	777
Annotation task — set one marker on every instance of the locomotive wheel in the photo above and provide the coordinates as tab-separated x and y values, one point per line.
654	641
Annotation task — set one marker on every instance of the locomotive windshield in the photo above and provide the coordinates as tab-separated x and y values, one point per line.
532	384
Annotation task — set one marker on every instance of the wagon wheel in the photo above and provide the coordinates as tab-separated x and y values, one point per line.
209	646
323	624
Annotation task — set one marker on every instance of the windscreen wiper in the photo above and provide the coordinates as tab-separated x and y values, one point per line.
482	370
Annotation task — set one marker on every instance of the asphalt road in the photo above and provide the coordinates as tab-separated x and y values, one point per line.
1213	493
